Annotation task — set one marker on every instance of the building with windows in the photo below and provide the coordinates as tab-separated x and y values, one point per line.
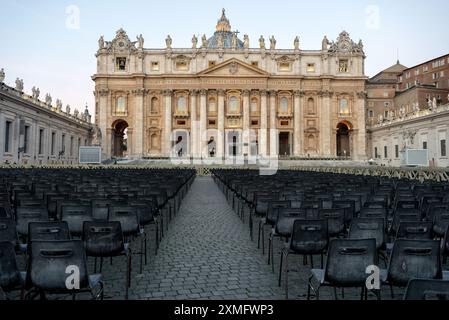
37	132
223	97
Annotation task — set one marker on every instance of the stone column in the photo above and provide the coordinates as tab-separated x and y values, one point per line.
105	107
263	124
296	124
273	128
326	131
139	98
130	142
203	123
246	133
168	122
193	124
360	143
221	124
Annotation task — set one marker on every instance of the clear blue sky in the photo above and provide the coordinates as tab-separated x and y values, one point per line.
37	45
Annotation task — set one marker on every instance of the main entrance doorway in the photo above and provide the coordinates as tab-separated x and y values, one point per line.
343	145
284	144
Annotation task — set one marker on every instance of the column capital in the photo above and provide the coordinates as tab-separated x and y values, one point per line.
263	93
273	93
298	93
203	92
246	93
326	93
193	92
221	92
140	92
362	95
103	92
167	93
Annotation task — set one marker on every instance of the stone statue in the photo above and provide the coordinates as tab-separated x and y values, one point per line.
19	84
141	41
168	42
101	43
2	75
434	104
272	43
194	42
246	41
234	40
429	103
58	105
220	41
96	141
48	99
67	109
76	113
35	92
262	42
324	44
416	107
204	41
296	43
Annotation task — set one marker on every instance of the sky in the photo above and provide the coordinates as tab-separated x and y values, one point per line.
51	44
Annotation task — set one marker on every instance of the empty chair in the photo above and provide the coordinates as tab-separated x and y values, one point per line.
48	231
75	216
420	289
346	264
373	213
415	230
270	219
26	215
8	231
10	277
369	228
348	206
48	266
105	239
440	222
335	219
412	259
404	215
309	237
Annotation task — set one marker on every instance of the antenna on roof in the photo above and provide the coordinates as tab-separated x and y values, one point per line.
397	55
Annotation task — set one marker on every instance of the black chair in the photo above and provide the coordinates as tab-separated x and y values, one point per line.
440	222
128	218
47	269
8	231
346	265
105	240
270	219
415	230
26	215
401	215
412	259
11	279
75	216
309	237
420	289
336	220
369	228
48	231
373	213
349	209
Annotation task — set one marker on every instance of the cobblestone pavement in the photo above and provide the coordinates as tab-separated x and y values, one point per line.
207	253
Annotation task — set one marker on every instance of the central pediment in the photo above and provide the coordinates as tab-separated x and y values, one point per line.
233	68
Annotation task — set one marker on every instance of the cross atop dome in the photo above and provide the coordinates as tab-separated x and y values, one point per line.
223	24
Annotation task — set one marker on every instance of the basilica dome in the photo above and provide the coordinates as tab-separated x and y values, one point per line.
223	35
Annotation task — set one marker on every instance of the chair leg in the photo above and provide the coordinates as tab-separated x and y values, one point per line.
263	239
145	239
322	260
141	256
258	237
335	293
392	292
286	276
311	261
269	249
101	264
280	267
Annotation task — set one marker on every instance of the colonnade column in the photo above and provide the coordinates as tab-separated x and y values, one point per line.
168	122
360	144
203	123
221	124
139	95
246	133
273	128
193	124
326	123
263	124
296	124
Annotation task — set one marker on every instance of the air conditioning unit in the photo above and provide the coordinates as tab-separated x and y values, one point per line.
416	158
90	155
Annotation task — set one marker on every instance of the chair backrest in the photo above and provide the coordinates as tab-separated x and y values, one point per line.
414	259
335	219
286	219
48	231
407	204
420	289
373	213
349	206
128	218
357	201
9	273
272	212
103	239
404	215
440	222
347	261
415	230
28	214
309	236
49	261
75	216
8	231
368	228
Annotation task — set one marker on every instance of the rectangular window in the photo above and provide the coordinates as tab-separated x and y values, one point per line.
212	122
311	67
371	114
386	114
26	139
71	146
63	144
376	154
443	147
425	68
424	145
343	66
53	141
8	126
79	142
154	66
385	152
182	66
396	151
120	64
254	122
284	66
41	141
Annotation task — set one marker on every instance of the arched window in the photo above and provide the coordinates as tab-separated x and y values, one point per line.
233	105
344	107
311	140
254	105
283	105
182	105
121	105
154	141
212	105
310	106
154	105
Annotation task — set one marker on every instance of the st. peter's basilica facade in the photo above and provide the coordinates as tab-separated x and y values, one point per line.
222	97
